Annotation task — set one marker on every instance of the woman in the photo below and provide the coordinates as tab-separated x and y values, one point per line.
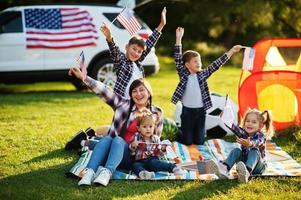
112	150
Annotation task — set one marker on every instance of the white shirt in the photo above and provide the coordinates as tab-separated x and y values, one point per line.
136	75
192	97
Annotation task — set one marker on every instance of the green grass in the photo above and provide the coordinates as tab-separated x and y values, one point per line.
36	120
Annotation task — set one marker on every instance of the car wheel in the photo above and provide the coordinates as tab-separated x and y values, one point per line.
104	71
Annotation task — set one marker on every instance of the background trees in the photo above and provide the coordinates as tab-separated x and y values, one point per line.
212	26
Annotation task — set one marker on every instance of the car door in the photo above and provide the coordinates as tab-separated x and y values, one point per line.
14	56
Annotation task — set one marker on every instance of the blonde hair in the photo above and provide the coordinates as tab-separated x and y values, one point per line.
264	118
145	114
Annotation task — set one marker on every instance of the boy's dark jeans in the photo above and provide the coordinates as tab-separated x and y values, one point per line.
192	126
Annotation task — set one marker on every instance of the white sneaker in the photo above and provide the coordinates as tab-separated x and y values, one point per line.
178	171
87	177
103	177
146	175
242	172
218	168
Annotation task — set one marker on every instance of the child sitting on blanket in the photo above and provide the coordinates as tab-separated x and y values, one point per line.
250	158
147	149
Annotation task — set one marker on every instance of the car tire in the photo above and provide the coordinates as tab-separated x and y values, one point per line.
103	71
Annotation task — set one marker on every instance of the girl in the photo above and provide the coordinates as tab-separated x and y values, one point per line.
112	150
250	158
147	149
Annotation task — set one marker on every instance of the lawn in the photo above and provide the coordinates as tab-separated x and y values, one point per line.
36	120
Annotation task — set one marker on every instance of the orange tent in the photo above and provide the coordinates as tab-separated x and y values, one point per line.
274	83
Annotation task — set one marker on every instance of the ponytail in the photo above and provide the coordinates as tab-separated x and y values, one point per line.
267	122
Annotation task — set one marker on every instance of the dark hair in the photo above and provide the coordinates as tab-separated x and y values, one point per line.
138	41
188	55
136	83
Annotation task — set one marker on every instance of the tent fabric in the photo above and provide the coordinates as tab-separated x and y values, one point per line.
274	83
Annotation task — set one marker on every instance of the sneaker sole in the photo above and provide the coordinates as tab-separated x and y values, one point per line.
212	168
100	183
242	173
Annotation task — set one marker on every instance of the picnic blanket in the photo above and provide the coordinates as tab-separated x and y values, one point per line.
279	162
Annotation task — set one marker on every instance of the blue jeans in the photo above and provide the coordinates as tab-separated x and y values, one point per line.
253	161
110	153
192	126
152	164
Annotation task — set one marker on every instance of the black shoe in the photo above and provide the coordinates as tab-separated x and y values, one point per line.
90	132
74	143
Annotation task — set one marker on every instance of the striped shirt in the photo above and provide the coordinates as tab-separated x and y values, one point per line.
202	77
121	107
124	67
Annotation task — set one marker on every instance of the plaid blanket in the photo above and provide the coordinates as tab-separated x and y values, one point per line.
279	162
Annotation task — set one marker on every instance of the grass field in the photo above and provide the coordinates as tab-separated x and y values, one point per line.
36	120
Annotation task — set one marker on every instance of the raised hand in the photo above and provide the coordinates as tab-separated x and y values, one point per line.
179	35
236	48
163	20
106	31
233	50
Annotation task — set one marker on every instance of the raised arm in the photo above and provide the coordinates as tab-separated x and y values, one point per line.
178	49
114	49
153	38
220	61
101	90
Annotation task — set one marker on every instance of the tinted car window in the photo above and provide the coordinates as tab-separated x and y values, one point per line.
112	16
11	22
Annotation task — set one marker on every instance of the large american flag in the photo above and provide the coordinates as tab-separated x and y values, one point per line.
59	28
129	21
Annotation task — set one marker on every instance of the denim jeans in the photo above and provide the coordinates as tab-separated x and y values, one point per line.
152	164
253	161
192	126
110	153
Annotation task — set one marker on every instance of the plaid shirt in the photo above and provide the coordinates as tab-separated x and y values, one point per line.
202	77
145	150
121	107
124	67
258	141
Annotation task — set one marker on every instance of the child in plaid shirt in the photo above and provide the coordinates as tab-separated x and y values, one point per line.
250	157
147	149
128	66
193	91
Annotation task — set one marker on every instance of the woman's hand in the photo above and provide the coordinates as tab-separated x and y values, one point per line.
74	71
244	142
106	31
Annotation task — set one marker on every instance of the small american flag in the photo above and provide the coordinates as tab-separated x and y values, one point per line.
59	28
81	61
249	56
129	21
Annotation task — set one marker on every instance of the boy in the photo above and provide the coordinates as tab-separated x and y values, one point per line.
128	66
192	90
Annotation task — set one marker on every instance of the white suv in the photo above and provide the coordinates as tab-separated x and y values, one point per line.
22	59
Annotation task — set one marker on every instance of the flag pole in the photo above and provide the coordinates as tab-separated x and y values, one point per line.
117	16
